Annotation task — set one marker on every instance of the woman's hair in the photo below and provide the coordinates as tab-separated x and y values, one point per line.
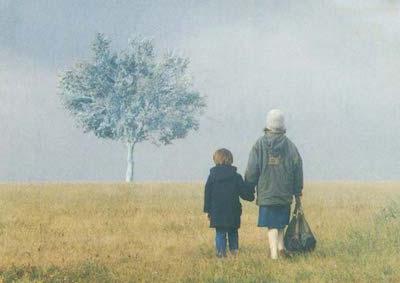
223	157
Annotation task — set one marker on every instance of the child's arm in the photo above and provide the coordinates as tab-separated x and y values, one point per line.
207	196
246	190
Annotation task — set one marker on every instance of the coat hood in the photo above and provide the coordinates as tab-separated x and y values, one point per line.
276	142
222	172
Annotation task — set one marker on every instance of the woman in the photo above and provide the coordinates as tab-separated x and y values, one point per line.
275	167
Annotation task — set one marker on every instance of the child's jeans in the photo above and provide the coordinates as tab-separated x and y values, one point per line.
220	240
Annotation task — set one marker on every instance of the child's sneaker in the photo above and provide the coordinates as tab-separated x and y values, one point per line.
221	255
234	253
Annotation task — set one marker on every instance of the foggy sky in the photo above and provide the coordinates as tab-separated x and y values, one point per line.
332	66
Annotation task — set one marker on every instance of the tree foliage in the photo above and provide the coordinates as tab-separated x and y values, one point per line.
133	95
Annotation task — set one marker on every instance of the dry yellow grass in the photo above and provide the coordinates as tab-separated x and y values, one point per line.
156	232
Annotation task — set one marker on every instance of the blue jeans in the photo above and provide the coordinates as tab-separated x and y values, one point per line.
220	240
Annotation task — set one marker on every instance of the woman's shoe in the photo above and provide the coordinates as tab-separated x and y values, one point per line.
284	254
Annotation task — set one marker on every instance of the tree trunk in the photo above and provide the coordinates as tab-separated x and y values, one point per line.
130	161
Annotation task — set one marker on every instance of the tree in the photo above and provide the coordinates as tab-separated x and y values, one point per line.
132	96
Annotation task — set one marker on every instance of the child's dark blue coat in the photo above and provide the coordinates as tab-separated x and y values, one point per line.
221	198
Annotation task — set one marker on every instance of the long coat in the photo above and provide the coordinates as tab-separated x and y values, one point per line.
221	198
275	167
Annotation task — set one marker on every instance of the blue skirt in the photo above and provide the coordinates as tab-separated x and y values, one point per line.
274	217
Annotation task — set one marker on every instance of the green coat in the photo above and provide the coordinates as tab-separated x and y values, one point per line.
275	167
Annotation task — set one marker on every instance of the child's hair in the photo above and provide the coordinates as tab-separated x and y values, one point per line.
223	157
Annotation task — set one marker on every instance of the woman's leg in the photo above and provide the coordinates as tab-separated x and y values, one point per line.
220	242
233	237
273	242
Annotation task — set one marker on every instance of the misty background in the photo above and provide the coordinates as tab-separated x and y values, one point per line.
332	66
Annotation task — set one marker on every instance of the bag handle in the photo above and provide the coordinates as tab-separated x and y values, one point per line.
298	209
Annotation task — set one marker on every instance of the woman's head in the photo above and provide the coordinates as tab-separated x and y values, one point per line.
223	157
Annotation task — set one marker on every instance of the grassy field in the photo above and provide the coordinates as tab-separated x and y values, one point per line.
157	233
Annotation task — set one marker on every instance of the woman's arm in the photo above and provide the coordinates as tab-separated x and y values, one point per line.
298	176
253	167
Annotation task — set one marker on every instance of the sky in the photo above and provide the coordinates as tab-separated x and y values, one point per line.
332	66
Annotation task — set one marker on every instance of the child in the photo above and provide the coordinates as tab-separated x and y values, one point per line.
221	201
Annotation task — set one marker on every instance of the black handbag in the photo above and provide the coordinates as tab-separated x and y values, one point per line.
298	236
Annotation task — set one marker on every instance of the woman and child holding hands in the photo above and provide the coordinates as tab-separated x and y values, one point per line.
275	169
